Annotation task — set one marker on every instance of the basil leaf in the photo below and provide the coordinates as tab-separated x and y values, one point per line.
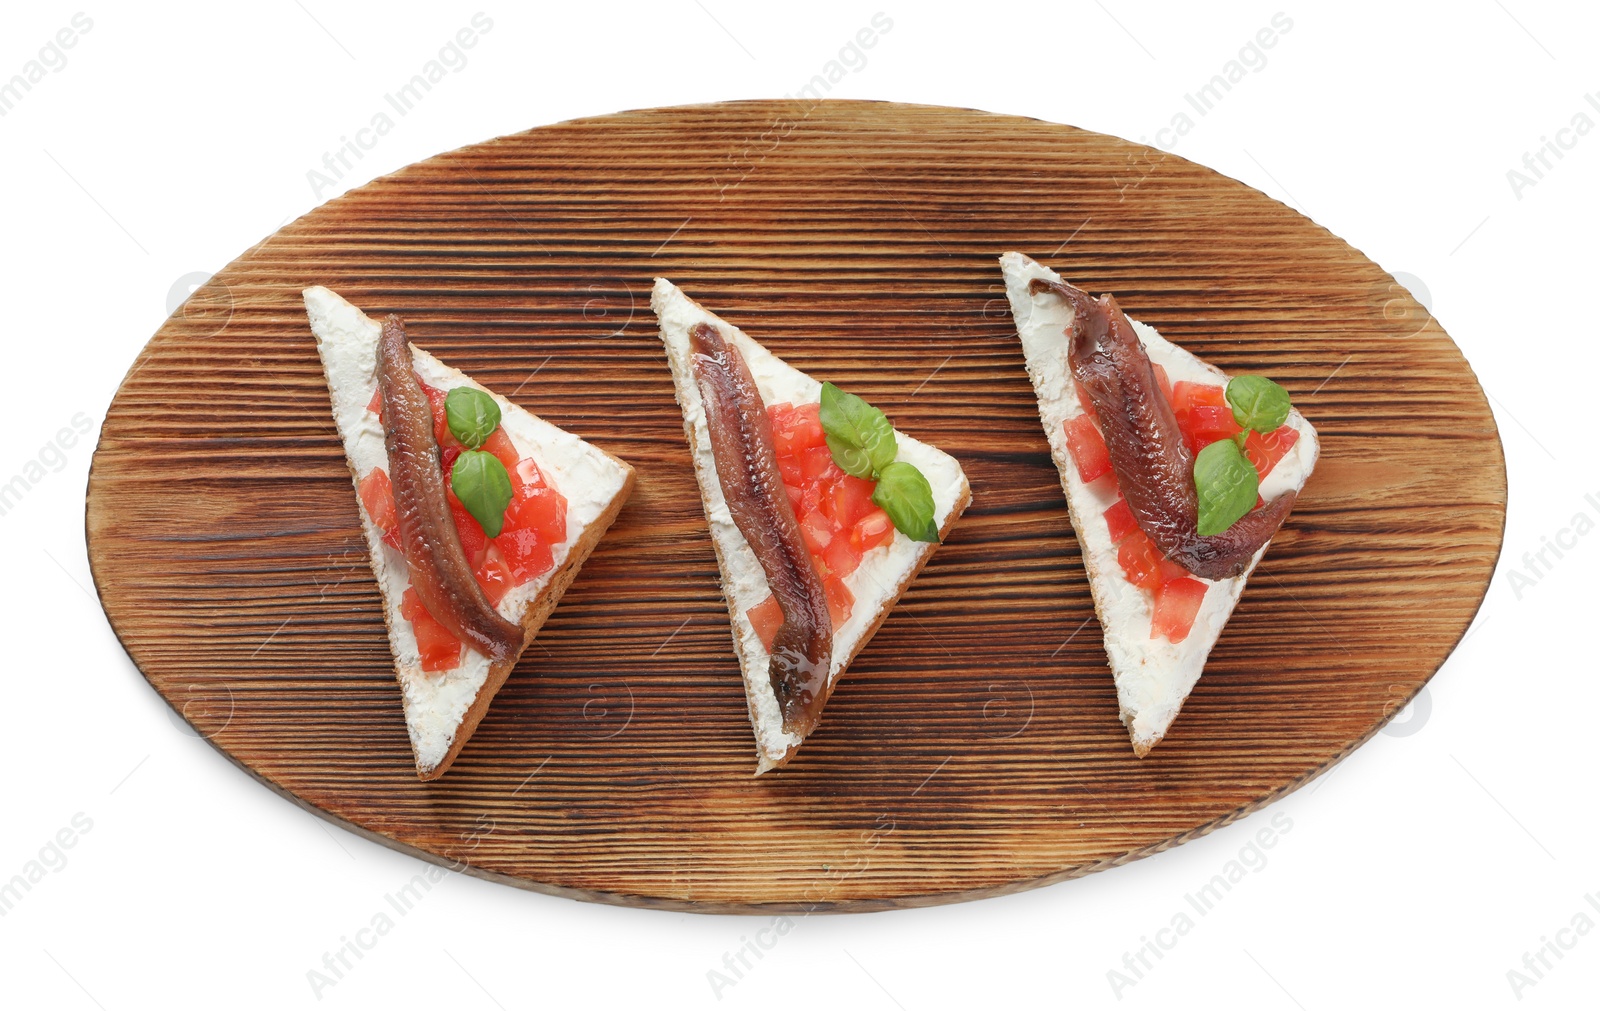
1258	403
472	415
1227	485
860	437
905	495
851	460
481	483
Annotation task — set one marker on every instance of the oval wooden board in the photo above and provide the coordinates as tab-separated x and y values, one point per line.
974	747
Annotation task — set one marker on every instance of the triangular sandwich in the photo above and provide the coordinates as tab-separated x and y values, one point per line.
813	552
1169	536
477	516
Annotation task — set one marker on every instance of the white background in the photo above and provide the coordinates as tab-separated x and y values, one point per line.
1418	873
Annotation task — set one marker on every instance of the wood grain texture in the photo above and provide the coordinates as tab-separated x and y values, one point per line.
974	747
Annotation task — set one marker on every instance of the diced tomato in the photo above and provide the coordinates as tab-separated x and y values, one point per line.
438	648
1138	557
1120	519
1143	563
796	428
849	499
767	618
543	511
494	576
375	405
499	443
1162	381
535	522
817	532
377	494
525	553
441	425
1203	414
526	476
809	415
837	518
411	604
841	556
817	462
811	497
474	542
1205	425
1088	448
840	600
824	499
1266	450
792	470
1187	395
1177	602
871	530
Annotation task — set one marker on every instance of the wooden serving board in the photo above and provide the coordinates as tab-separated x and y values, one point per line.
974	747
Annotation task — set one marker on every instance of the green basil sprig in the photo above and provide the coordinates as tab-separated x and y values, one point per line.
472	415
1225	480
1226	483
1258	403
861	438
906	496
863	445
480	481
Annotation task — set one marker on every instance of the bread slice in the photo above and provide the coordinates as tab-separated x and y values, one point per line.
884	572
1153	676
443	708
